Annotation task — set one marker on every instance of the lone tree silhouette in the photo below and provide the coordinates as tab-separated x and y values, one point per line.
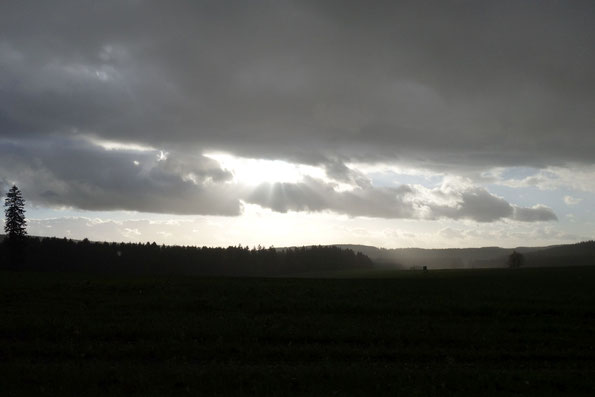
15	225
515	260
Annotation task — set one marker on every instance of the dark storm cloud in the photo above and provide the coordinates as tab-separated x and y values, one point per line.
448	85
501	82
86	176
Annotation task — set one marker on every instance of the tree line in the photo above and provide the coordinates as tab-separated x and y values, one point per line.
61	254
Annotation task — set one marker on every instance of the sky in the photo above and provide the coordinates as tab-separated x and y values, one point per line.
279	123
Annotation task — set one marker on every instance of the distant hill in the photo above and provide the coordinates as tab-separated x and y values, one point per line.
485	257
580	254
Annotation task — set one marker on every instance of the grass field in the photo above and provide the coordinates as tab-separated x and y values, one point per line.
526	331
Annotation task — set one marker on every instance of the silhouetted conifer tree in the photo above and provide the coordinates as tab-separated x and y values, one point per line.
15	224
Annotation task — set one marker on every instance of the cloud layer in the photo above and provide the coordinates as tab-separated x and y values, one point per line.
502	84
459	88
152	181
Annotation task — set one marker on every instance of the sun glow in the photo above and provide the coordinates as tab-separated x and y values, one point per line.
256	171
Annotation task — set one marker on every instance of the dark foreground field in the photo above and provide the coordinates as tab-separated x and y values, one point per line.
527	331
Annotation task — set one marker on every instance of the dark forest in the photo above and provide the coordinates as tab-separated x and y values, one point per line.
55	254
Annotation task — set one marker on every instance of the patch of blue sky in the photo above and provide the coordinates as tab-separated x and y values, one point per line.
527	196
518	172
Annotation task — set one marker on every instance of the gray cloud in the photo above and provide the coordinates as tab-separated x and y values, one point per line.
537	213
503	83
477	204
315	195
86	176
473	203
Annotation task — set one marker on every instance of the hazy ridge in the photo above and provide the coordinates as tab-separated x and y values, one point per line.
443	258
